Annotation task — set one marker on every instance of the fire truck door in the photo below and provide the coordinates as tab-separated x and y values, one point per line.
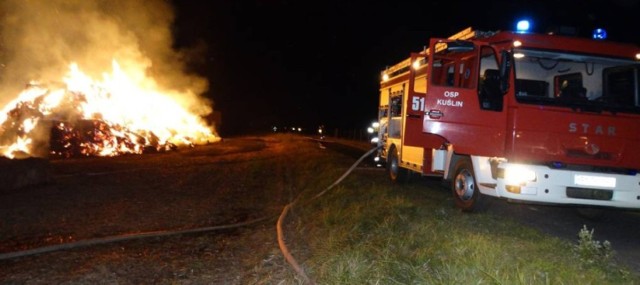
453	109
415	100
417	86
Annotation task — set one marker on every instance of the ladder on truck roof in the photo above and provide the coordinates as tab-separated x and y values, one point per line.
465	34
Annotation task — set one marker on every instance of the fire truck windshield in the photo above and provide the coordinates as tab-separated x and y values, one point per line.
577	81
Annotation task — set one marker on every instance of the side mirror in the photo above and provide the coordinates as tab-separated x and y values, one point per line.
505	71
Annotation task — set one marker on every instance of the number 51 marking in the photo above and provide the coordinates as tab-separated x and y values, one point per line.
417	103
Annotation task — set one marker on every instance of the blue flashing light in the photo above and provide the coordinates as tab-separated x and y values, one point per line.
523	26
599	34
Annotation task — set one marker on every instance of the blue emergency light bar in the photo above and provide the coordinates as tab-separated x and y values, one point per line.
599	34
523	26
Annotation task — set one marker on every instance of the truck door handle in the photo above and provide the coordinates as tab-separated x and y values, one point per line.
434	114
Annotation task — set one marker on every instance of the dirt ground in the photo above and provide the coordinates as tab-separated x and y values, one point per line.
237	180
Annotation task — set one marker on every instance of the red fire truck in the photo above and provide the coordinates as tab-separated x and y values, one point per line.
530	117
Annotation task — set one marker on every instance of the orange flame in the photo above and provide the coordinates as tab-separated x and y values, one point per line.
122	113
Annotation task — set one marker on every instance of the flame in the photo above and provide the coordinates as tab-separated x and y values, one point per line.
123	113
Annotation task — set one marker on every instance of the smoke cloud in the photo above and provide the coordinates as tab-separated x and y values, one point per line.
40	38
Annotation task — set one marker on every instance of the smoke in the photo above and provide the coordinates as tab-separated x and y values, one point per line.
40	38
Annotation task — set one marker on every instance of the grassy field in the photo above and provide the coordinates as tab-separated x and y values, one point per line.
370	231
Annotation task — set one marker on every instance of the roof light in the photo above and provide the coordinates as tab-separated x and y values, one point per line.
416	64
599	34
385	77
523	26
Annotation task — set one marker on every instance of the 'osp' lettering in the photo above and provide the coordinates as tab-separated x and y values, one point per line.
451	94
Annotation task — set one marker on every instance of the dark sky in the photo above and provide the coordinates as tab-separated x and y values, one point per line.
306	63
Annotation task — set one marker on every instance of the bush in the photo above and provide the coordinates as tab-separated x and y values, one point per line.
592	252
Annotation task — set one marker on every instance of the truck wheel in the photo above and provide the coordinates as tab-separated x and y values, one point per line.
396	173
466	195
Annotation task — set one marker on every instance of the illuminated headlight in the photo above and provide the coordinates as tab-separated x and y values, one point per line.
375	140
518	175
370	130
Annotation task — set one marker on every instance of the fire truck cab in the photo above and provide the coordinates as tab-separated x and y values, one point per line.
530	117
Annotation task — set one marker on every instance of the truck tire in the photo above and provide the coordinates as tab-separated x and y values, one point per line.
396	173
466	194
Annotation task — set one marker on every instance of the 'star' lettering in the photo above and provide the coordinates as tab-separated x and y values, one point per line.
585	128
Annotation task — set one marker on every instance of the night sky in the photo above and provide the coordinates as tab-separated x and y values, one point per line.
307	63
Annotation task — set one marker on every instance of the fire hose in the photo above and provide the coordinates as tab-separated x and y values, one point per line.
155	234
283	247
126	237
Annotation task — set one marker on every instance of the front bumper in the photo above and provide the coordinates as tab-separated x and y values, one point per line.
562	186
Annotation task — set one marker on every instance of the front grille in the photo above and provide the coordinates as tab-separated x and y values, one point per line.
591	194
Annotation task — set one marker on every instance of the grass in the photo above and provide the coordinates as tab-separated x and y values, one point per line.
369	231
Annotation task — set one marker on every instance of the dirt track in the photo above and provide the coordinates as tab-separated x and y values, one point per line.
225	183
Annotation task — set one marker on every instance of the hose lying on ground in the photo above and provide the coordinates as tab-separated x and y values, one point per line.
112	239
283	247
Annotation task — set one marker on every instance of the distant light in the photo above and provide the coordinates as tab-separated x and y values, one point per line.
638	56
370	130
523	26
375	125
517	43
599	34
375	140
299	129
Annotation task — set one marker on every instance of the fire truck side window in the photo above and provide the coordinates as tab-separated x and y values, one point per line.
443	71
395	109
489	94
467	71
454	68
396	106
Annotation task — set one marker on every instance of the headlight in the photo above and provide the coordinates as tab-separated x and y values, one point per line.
518	175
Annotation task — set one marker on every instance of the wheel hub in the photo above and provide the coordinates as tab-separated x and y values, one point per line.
465	185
